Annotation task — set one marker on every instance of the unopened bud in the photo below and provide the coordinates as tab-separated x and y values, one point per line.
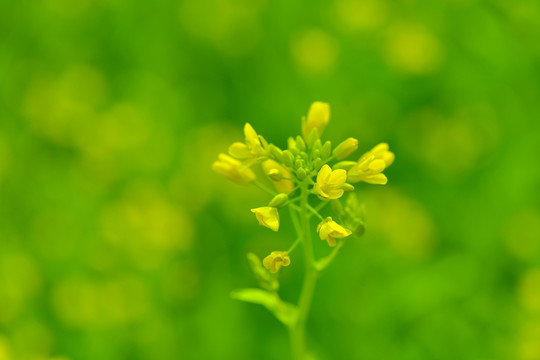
274	174
347	187
292	146
300	144
276	153
301	173
346	148
288	158
326	149
317	145
345	165
278	200
313	138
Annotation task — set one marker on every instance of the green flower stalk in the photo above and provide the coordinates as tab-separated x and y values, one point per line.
297	174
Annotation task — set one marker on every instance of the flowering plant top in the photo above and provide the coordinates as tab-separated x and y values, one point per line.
307	169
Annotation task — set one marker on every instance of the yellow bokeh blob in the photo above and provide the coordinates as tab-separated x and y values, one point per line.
82	302
521	234
314	51
529	290
57	107
361	14
145	225
528	341
403	221
413	49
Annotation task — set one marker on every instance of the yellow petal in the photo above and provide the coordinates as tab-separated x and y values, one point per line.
377	166
337	177
388	158
251	135
379	179
324	174
317	119
239	150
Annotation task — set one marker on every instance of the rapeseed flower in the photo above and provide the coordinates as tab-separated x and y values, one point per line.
276	260
233	169
329	183
370	166
329	230
251	149
268	216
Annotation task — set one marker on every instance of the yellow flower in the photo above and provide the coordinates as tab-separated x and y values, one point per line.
370	166
283	186
329	183
329	230
233	169
251	148
317	118
276	260
346	148
268	216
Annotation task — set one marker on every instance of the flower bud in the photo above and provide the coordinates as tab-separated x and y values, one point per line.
292	146
301	173
274	174
313	138
283	185
317	118
300	144
347	187
345	165
326	149
278	200
346	148
317	145
288	158
277	153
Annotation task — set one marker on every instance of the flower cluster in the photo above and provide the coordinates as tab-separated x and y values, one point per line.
303	165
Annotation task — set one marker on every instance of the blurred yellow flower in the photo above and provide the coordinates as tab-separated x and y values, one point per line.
276	260
272	169
329	183
268	216
252	148
329	230
317	118
233	169
370	166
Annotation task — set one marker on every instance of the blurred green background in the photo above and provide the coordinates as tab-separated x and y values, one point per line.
117	241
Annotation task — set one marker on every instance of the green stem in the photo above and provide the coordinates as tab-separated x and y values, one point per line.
264	188
323	263
315	212
298	329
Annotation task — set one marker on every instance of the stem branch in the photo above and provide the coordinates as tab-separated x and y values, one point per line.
298	329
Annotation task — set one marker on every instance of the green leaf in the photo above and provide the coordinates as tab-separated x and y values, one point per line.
283	311
263	276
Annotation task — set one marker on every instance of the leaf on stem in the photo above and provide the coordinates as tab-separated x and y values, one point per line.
283	311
